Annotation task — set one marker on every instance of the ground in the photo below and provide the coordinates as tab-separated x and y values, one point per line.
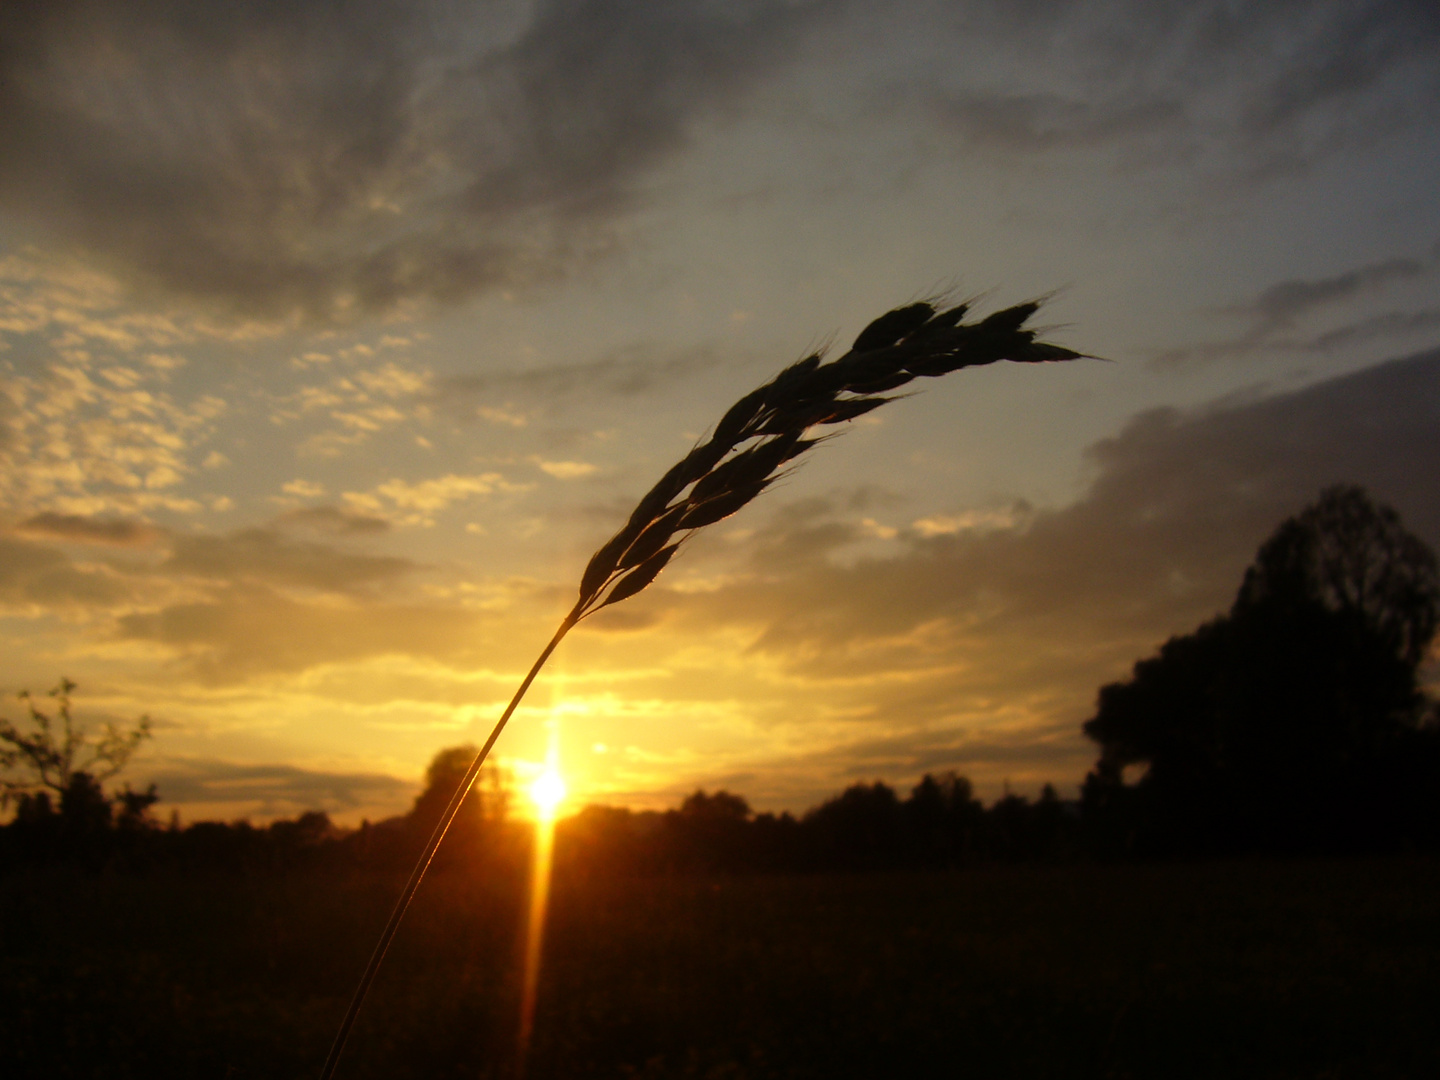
1299	969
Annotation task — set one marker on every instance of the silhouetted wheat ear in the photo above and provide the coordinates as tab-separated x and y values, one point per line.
765	431
754	444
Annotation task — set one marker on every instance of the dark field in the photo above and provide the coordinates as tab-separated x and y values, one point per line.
1250	970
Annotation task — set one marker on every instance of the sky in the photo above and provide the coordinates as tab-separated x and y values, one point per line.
335	337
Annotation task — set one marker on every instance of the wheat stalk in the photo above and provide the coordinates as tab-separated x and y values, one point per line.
754	444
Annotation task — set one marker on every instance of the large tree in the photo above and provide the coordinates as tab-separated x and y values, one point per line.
1295	721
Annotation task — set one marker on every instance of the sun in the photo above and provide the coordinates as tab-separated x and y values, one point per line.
548	792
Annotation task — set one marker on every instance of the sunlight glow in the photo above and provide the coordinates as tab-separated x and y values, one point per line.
548	792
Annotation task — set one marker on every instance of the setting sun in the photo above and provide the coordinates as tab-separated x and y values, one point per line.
548	792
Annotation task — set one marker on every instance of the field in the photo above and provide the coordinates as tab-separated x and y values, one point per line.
1298	969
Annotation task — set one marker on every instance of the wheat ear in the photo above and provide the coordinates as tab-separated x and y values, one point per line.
755	443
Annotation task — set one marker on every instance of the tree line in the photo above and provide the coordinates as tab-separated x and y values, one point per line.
1294	723
867	827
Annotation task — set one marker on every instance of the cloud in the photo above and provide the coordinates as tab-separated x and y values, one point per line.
1391	324
566	470
415	504
86	530
1333	52
266	555
1283	303
1006	517
304	160
301	158
333	521
206	787
304	489
1278	309
1253	89
360	403
91	430
39	577
253	631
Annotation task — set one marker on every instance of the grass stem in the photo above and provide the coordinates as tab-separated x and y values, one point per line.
431	846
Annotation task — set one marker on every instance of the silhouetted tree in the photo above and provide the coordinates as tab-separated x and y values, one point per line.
481	815
55	757
861	828
1294	722
708	832
720	807
133	807
943	820
1019	830
54	771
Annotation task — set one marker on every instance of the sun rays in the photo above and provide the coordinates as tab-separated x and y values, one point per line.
547	793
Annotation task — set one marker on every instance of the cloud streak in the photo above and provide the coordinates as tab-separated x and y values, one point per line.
74	528
268	556
35	577
1279	310
211	787
626	372
1281	305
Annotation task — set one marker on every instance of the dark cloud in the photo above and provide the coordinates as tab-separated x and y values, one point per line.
1391	324
266	555
321	158
87	530
1280	305
332	521
271	791
34	574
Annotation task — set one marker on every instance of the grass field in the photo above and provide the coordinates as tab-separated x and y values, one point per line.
1239	970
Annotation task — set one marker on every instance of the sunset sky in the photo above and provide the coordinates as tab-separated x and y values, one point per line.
335	337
